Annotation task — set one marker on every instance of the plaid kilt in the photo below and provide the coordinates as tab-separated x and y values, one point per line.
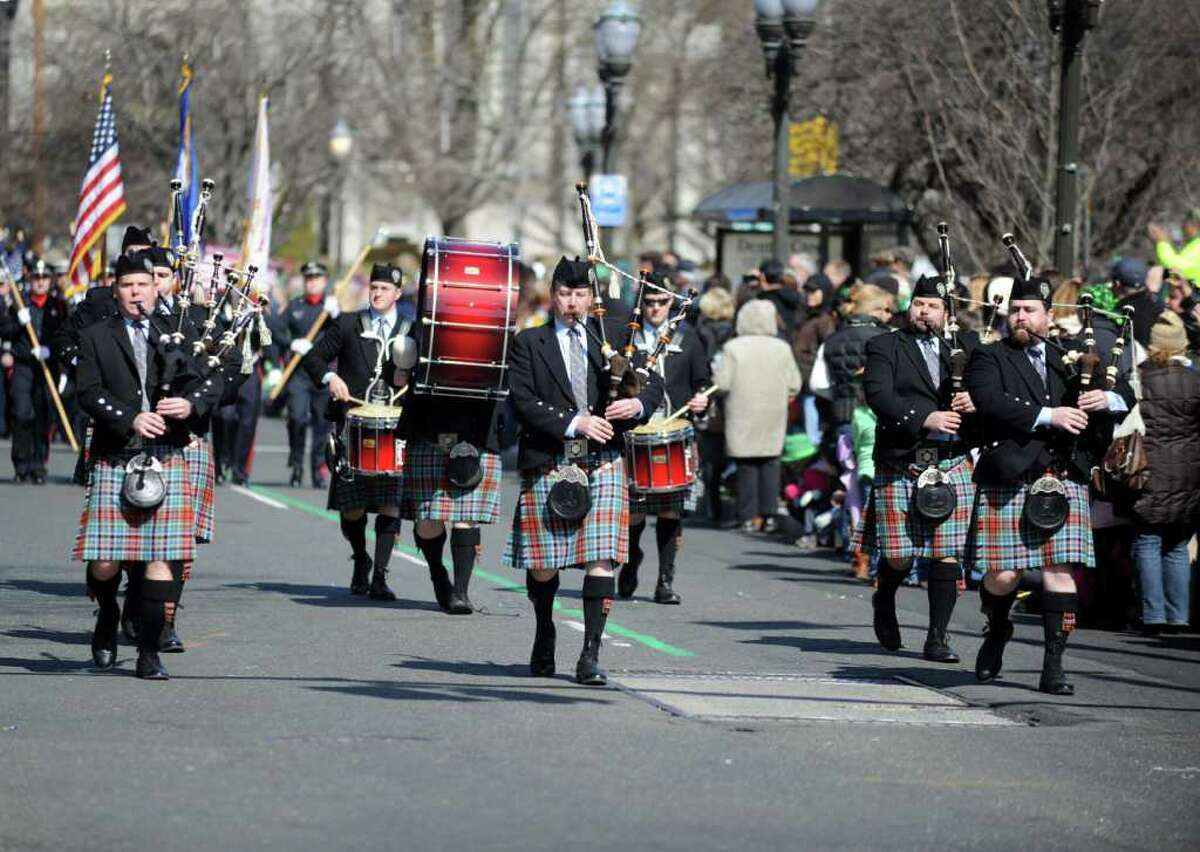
679	502
898	534
109	530
365	492
1004	542
429	496
201	471
539	541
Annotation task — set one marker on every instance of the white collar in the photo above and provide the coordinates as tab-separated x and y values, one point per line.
561	328
390	317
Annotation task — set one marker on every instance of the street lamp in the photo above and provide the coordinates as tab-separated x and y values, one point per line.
341	144
616	34
586	112
783	27
1071	19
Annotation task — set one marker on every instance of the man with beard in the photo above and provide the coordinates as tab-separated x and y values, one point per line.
919	445
1037	425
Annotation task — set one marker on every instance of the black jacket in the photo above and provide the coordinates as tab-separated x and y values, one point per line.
1170	407
341	340
901	392
686	369
845	354
48	321
292	324
1008	395
98	305
540	391
109	391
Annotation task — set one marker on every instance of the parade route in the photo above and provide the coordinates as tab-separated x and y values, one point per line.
760	714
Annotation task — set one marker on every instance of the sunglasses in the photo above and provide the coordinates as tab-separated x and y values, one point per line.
657	303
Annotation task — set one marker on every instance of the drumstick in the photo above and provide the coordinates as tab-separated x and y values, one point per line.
708	391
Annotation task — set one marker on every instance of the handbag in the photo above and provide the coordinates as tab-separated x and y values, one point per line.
1124	472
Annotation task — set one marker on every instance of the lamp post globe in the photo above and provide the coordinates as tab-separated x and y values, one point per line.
615	34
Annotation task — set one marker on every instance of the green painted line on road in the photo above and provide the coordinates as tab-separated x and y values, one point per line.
504	583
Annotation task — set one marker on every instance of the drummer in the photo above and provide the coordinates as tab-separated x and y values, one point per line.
685	372
451	476
355	340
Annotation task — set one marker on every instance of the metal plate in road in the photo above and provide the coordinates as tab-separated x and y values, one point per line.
802	697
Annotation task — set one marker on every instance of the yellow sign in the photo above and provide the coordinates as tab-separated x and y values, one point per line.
813	148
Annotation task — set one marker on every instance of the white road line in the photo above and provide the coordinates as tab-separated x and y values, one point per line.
274	504
575	625
410	558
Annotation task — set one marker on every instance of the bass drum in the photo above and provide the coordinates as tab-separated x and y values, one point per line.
468	308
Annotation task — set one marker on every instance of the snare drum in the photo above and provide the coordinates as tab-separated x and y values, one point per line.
468	307
659	457
372	445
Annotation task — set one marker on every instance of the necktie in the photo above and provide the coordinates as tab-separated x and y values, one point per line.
140	344
578	369
381	328
930	349
1039	363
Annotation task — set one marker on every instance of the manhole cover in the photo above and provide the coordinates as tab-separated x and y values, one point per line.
802	697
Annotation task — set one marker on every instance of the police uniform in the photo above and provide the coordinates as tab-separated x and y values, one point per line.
684	369
30	407
548	389
120	373
1015	388
354	340
906	379
307	400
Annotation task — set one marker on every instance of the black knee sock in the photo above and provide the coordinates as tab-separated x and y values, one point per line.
635	542
432	549
943	593
597	601
386	530
542	595
890	578
995	607
355	532
133	583
155	594
462	551
104	592
666	533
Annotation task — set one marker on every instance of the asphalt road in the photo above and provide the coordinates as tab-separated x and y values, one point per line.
301	718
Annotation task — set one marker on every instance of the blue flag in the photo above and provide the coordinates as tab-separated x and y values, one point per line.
186	170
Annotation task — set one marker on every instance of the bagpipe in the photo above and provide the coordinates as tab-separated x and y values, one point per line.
626	380
958	356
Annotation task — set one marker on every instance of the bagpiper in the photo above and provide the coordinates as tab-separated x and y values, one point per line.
573	506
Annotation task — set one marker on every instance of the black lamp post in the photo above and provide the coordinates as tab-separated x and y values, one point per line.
1071	19
586	111
616	34
783	28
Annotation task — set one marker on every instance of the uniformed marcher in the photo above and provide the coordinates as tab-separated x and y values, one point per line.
923	496
451	476
1032	504
685	373
573	506
354	340
139	503
31	409
306	401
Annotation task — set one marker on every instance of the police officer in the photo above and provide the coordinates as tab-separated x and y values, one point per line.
1037	424
307	400
573	507
685	372
920	443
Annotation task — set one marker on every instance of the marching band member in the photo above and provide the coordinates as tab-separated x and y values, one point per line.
573	507
1032	505
137	424
685	372
919	444
355	341
307	399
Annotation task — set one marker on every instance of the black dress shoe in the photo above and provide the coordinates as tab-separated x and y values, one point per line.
297	478
442	587
169	641
240	479
379	590
104	637
459	605
39	479
937	648
990	658
320	483
360	581
887	628
150	667
541	659
664	592
218	478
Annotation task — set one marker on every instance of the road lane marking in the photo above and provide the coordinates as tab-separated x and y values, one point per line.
410	554
241	489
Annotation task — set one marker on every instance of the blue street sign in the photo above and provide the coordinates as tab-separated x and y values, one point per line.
610	199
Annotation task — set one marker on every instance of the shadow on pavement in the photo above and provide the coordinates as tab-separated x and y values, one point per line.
62	637
332	596
463	667
414	691
67	589
45	664
776	625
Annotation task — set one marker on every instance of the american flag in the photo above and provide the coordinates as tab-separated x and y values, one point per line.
102	195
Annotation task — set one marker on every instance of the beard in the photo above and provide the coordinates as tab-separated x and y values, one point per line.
924	327
1022	336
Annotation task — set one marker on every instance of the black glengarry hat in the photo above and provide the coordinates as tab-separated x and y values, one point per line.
387	273
135	236
571	273
1034	289
135	262
161	256
929	287
312	269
